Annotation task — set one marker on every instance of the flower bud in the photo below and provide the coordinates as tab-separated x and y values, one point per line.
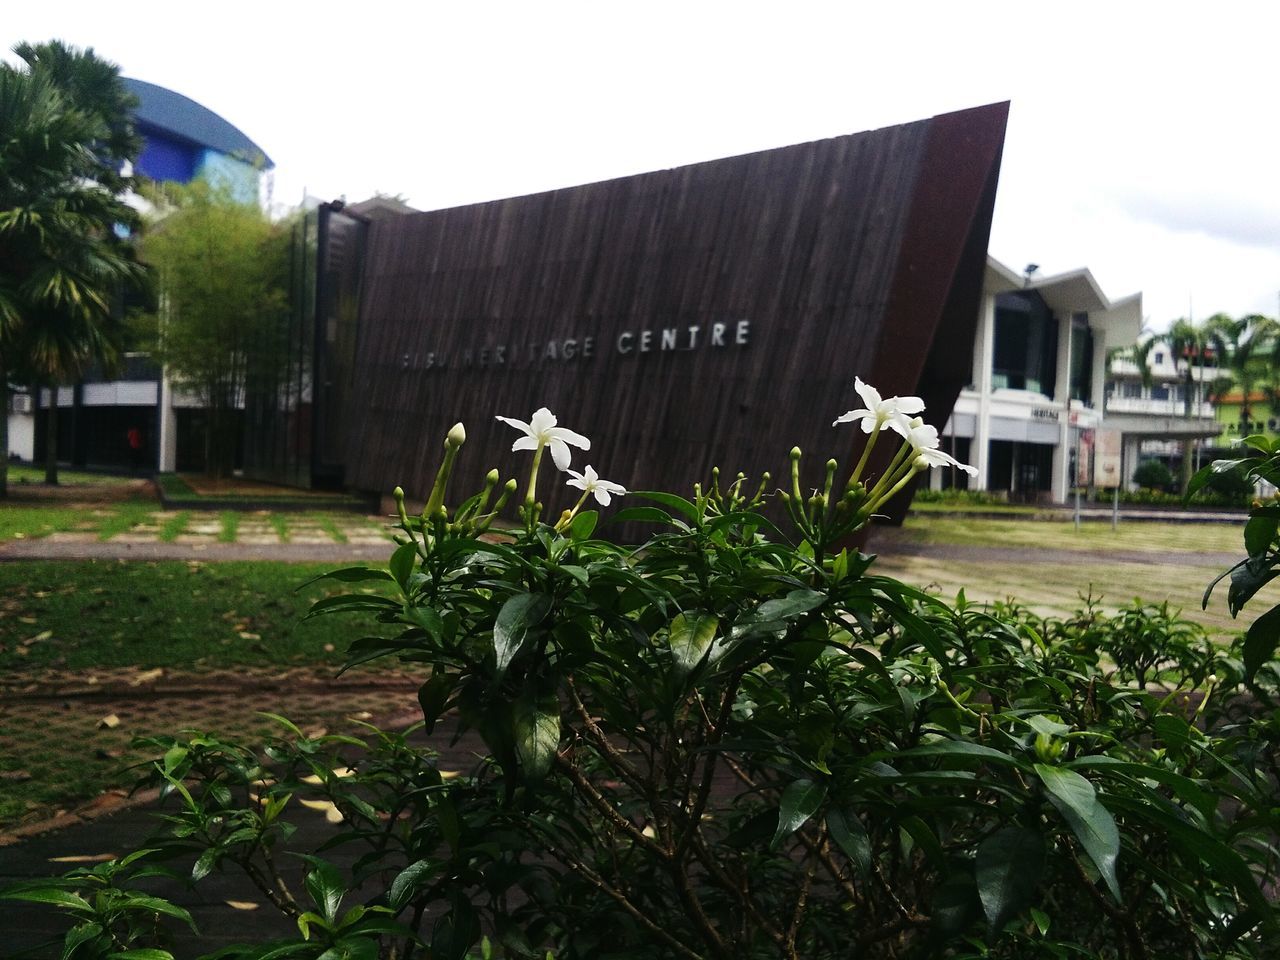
795	454
457	436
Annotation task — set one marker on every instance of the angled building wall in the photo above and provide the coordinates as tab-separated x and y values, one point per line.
713	314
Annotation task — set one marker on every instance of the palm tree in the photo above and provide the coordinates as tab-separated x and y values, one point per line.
63	262
1253	350
1194	347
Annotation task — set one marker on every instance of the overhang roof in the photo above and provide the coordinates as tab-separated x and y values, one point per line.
184	118
1076	291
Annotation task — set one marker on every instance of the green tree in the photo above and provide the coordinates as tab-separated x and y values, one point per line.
1253	351
64	259
1194	347
220	265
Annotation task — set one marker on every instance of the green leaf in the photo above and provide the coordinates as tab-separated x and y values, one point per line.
1007	869
642	514
671	502
583	525
425	617
50	895
77	936
799	802
517	616
325	886
138	901
402	564
1260	642
350	575
1259	533
536	725
691	636
433	697
1041	920
409	880
143	953
1246	580
851	836
1091	822
1198	482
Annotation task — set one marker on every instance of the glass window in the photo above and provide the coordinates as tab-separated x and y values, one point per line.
1081	359
1024	356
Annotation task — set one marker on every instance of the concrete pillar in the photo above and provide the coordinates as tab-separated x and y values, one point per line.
1062	400
983	361
168	419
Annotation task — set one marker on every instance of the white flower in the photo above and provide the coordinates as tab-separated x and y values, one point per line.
541	431
588	481
921	435
879	412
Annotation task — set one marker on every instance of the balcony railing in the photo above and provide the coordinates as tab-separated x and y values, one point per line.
1157	408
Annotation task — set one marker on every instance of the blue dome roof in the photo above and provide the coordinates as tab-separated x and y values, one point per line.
184	118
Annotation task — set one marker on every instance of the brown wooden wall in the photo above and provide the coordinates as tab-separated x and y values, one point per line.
846	256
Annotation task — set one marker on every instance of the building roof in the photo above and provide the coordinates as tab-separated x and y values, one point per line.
182	117
1076	291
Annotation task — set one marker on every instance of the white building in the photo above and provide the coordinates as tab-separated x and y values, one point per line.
1038	380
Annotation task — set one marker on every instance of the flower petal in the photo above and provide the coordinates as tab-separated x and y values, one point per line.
559	453
869	394
518	424
907	405
602	496
568	436
853	415
525	443
542	421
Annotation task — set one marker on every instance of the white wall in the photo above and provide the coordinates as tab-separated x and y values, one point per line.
22	436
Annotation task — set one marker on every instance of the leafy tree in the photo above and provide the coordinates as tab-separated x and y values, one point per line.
221	268
1194	346
64	137
1253	351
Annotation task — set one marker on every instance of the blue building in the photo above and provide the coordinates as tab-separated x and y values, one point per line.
183	141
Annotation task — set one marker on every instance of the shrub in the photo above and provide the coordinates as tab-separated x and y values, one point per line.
728	743
1153	475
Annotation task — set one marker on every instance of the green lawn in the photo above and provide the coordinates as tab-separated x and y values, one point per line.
1172	565
78	615
1093	536
70	478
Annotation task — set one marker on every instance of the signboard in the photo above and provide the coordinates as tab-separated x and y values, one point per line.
1084	457
1107	456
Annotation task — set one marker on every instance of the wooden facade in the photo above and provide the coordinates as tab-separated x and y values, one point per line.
713	314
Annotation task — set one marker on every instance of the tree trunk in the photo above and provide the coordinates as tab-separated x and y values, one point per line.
4	433
51	439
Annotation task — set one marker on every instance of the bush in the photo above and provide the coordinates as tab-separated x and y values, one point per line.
728	743
1153	475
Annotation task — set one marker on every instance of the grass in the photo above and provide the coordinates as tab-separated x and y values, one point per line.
174	527
124	517
1154	561
179	490
24	474
30	523
230	520
1093	536
280	524
81	615
325	523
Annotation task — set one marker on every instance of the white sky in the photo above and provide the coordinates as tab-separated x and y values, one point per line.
1143	142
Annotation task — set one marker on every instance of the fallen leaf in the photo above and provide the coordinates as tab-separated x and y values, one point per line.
40	594
146	676
242	905
28	620
329	648
362	715
246	635
40	637
84	858
110	721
